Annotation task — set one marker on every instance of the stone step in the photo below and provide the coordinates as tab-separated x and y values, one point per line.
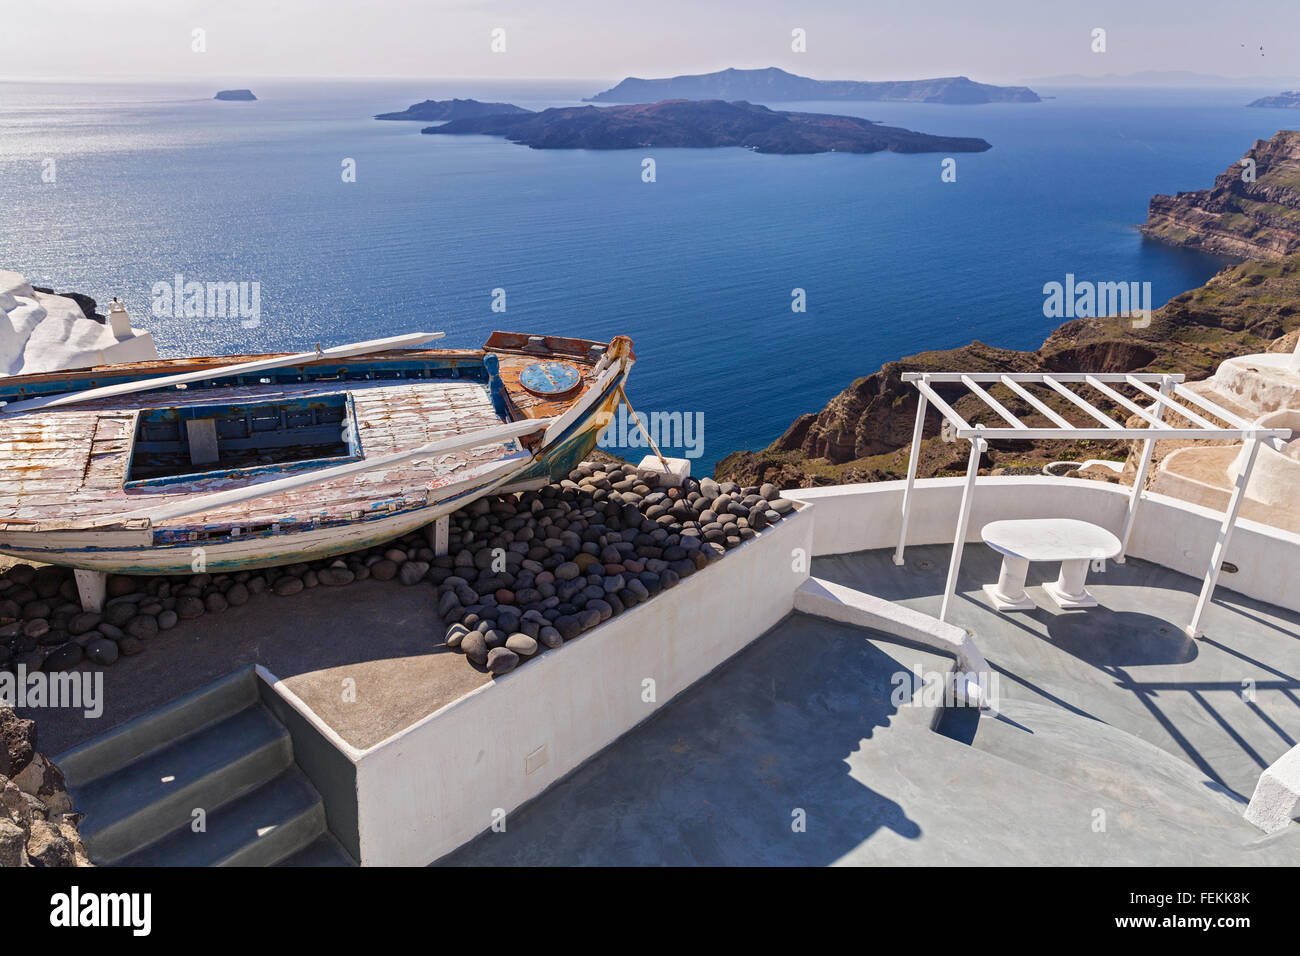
323	851
280	819
1228	401
159	728
1091	755
142	801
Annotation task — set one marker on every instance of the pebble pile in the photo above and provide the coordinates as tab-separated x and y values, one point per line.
524	572
530	571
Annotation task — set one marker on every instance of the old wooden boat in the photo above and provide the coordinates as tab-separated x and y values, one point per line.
232	462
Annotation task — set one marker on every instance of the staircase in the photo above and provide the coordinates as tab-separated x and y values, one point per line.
216	750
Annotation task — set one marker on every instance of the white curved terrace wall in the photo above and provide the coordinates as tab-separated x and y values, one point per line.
1169	532
426	790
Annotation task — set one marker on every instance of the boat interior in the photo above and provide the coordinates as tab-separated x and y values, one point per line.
222	440
92	459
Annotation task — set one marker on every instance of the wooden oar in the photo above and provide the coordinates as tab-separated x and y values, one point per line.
221	371
181	509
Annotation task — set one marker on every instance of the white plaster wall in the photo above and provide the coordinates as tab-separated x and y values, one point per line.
1169	532
40	332
1262	383
430	788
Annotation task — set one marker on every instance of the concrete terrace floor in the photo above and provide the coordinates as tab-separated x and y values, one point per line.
1117	740
383	635
1126	662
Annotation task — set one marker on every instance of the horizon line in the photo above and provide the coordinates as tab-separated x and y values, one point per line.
1101	78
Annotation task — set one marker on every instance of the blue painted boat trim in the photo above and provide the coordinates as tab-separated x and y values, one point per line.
573	445
351	435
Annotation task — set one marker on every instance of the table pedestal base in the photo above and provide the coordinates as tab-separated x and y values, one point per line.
1009	593
1067	590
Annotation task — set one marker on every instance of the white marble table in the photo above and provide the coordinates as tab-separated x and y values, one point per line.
1072	542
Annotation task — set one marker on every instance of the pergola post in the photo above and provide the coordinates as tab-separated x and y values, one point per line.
1139	481
1225	536
917	430
1157	428
977	446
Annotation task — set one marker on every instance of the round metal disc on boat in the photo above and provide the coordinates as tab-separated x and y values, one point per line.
550	378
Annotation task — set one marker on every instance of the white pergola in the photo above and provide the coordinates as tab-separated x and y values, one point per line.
1163	391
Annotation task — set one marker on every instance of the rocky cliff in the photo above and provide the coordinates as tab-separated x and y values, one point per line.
1251	212
38	823
864	432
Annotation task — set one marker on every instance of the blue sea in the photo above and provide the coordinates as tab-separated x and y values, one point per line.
698	267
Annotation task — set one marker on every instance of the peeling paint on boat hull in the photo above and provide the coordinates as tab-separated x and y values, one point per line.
173	549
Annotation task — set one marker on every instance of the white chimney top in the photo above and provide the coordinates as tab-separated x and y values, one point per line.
119	320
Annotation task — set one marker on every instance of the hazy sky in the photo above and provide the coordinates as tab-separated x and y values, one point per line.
992	40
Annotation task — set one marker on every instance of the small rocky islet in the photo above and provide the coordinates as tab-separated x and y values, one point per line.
436	110
524	572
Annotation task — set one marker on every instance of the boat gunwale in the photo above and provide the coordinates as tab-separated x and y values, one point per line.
579	351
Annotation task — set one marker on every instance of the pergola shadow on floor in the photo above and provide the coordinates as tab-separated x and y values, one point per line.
712	779
1228	704
804	725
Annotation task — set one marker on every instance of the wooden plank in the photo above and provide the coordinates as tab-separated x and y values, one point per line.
488	436
1069	395
991	402
944	408
1170	405
1033	400
202	436
240	368
1032	377
1103	434
1123	402
393	415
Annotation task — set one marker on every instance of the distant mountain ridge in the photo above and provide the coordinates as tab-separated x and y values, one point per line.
1160	78
777	85
705	123
435	110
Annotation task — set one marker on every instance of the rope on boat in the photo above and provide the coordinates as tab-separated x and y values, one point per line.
632	411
